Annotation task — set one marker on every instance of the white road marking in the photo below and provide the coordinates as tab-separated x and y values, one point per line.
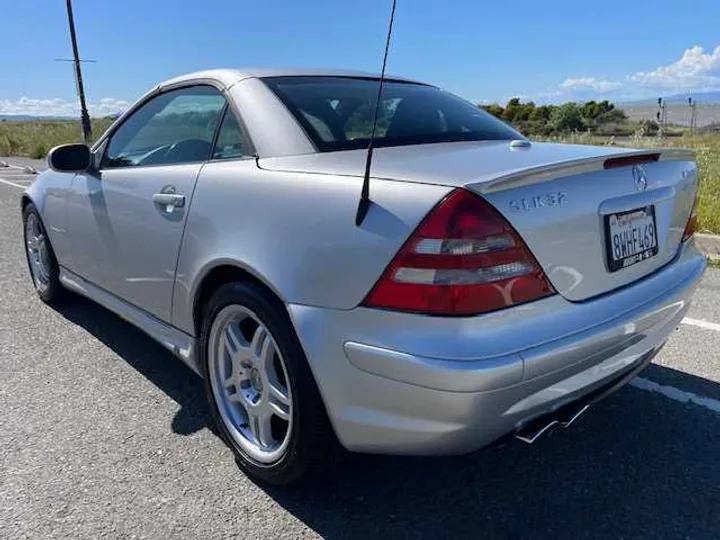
676	394
26	169
702	324
9	183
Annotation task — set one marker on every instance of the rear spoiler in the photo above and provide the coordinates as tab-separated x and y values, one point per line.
543	173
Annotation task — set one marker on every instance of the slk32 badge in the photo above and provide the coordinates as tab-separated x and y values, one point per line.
549	200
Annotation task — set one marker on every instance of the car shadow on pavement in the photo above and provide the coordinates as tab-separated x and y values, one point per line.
149	358
638	465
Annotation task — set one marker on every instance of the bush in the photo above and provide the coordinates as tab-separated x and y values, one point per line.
567	117
649	127
494	109
613	116
511	109
542	113
40	151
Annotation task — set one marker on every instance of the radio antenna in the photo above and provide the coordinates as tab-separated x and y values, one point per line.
364	203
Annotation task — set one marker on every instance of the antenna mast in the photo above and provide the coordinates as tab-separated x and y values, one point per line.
364	203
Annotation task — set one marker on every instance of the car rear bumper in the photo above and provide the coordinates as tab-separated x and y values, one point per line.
412	384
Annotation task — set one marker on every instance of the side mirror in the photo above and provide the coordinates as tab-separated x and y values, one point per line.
70	158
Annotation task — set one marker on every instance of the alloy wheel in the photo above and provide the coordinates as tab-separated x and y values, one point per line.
250	384
38	253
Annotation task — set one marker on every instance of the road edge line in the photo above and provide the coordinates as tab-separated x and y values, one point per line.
707	325
9	183
676	394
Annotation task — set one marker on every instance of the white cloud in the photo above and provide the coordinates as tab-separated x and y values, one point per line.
590	83
696	70
61	107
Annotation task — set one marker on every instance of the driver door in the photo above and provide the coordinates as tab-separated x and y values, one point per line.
127	218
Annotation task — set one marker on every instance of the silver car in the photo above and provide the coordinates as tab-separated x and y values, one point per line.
496	287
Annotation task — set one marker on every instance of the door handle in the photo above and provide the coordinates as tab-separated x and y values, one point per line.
170	200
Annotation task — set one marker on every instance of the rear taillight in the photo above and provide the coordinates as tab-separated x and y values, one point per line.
692	223
463	259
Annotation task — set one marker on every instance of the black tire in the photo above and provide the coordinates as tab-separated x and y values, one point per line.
312	445
51	290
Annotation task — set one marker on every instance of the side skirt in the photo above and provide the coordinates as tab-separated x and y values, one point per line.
179	343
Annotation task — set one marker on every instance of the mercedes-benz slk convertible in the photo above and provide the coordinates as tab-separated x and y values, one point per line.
497	287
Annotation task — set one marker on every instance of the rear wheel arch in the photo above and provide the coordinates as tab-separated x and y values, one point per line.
215	278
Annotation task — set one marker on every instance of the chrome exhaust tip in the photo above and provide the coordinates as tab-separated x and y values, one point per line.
544	426
569	413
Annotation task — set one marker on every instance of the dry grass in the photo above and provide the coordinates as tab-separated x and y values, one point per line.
35	139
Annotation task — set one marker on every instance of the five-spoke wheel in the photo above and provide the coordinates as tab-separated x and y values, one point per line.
37	249
44	269
250	383
261	391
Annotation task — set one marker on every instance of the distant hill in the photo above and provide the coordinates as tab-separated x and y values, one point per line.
31	118
700	97
50	118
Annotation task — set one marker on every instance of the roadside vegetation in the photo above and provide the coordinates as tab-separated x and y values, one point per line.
593	122
35	139
597	117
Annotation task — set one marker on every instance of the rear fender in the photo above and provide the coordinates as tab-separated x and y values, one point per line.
295	232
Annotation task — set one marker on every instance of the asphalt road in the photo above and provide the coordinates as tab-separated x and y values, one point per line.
104	435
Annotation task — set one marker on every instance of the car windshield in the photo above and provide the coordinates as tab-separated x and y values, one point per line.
337	113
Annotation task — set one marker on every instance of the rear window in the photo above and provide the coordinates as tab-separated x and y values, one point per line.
337	113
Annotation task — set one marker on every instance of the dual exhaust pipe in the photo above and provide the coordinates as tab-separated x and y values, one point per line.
545	425
570	413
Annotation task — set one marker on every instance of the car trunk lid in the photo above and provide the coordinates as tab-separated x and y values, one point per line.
576	207
594	229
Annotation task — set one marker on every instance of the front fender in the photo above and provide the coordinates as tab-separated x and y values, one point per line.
49	194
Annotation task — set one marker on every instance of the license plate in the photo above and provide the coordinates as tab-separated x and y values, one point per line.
631	237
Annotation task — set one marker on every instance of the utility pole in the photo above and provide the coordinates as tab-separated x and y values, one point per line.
661	117
84	116
693	115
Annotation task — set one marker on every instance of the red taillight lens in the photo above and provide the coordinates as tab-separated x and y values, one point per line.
463	259
691	226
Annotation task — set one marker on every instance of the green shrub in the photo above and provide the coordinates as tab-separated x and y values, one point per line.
567	117
39	151
494	109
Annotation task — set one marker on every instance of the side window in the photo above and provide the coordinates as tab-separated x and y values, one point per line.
174	127
230	138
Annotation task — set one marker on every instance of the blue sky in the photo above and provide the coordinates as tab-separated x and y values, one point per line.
483	50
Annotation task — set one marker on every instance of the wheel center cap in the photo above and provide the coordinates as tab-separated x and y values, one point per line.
255	380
